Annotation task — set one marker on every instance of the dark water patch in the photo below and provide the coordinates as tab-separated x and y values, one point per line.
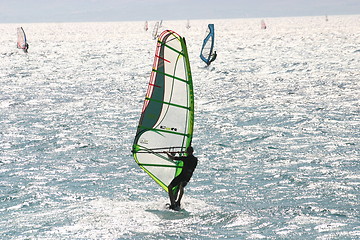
223	145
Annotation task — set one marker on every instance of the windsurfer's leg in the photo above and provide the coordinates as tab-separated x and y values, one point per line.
171	196
175	182
181	193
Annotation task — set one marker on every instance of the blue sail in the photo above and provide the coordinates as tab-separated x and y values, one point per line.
207	48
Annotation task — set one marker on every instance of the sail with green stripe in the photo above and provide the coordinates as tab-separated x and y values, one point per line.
167	118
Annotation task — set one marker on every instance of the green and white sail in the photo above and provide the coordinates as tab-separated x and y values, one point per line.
167	119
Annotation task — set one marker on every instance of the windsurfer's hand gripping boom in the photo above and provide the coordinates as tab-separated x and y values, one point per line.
171	155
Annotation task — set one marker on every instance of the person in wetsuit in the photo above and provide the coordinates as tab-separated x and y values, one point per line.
190	163
214	55
26	47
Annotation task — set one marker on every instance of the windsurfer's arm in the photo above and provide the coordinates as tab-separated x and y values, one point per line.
171	155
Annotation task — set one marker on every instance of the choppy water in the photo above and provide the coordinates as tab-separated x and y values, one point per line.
277	128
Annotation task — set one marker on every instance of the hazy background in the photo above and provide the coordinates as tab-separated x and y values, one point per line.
23	11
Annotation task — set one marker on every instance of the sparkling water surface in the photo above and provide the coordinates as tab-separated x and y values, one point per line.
277	125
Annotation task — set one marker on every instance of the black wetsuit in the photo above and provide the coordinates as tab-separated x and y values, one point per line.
190	163
213	57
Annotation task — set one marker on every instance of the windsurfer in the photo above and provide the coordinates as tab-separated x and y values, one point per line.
214	55
26	47
190	163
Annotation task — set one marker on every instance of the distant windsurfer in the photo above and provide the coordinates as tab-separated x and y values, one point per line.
26	47
213	57
190	163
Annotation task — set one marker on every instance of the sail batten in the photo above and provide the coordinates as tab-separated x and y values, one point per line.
168	103
164	44
164	131
166	122
156	165
162	58
169	75
167	148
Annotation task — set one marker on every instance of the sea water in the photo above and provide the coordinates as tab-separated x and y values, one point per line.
277	127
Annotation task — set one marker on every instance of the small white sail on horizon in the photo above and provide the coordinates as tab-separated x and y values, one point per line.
188	24
155	30
263	24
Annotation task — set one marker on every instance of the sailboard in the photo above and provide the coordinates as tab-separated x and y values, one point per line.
21	39
155	30
167	118
207	48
